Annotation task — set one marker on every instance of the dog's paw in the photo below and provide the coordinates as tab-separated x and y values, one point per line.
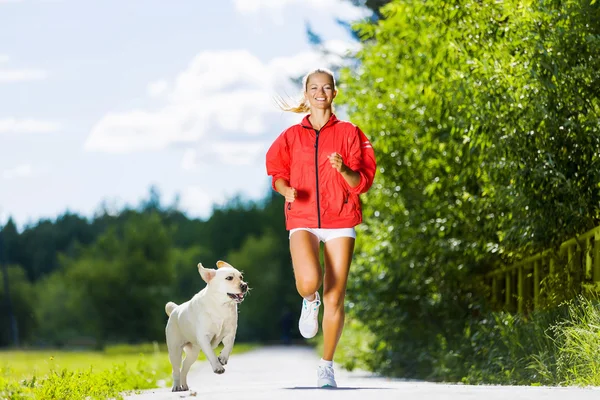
223	360
219	370
180	388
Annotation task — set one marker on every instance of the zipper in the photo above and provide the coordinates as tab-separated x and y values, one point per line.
317	177
317	131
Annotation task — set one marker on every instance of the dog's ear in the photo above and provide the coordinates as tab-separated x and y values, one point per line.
205	273
221	264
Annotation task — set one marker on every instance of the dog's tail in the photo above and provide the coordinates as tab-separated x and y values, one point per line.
170	307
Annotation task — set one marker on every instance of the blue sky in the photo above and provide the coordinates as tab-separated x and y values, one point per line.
100	100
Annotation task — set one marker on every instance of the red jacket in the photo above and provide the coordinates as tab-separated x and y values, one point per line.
324	199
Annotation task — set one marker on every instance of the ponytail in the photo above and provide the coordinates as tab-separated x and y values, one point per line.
301	106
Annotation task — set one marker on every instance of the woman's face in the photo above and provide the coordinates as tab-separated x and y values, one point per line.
319	91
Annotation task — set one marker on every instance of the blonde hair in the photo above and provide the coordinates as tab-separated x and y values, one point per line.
300	105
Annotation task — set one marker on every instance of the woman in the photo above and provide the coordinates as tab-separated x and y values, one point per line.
321	166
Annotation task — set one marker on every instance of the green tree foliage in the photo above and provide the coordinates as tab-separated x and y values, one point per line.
552	129
484	116
231	224
23	300
123	280
187	280
36	249
63	317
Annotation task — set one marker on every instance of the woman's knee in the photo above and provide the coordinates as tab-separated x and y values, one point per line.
333	300
307	286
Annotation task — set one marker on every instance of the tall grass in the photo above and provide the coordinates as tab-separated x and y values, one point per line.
554	347
578	344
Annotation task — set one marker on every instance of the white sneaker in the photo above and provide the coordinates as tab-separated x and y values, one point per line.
309	318
325	377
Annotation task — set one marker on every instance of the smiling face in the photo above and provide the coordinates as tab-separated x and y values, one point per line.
320	91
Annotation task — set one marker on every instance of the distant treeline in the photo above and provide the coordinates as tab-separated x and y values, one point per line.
78	281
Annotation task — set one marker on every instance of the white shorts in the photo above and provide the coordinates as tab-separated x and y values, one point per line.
327	234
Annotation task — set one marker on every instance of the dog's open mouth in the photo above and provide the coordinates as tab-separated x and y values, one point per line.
238	297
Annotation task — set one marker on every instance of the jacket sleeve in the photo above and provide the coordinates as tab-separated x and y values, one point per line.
278	160
362	160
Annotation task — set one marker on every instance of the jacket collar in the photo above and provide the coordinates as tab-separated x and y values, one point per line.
306	123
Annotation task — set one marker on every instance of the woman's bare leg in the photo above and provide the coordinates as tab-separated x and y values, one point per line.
338	257
304	247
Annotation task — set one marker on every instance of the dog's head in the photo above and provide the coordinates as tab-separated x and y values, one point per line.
225	280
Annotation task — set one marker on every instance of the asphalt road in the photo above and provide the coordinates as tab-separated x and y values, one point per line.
290	373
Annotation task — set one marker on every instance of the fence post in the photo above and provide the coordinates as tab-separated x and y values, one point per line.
507	291
495	290
589	245
536	284
596	257
521	289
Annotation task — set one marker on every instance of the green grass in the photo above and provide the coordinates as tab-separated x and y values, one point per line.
577	339
59	374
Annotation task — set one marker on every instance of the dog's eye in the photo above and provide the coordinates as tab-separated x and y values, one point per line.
229	278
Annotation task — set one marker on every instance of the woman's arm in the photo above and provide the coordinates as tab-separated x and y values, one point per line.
361	160
351	177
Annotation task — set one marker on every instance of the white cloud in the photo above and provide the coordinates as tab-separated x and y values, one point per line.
239	153
226	152
157	88
10	1
21	75
12	75
14	126
199	202
20	171
274	8
189	161
222	97
340	47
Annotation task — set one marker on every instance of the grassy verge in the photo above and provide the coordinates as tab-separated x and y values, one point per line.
557	347
59	374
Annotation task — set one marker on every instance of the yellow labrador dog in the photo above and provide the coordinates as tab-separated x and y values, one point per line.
205	321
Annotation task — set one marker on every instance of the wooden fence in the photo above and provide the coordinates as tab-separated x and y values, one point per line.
528	284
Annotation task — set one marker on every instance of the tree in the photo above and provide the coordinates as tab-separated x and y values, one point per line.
124	280
22	299
464	103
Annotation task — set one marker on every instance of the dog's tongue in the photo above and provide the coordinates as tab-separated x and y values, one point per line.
237	296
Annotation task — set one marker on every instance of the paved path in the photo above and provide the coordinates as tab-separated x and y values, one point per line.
289	373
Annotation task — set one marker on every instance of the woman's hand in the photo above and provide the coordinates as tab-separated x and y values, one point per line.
283	187
290	194
336	162
350	176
